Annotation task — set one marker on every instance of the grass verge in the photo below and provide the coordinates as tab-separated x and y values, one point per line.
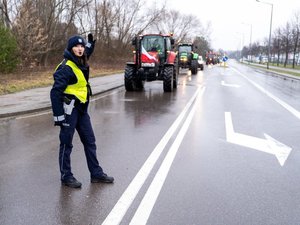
15	82
278	69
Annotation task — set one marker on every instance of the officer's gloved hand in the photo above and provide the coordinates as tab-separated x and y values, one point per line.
62	123
91	41
91	38
90	45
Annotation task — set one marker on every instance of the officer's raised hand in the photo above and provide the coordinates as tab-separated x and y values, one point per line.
90	45
91	38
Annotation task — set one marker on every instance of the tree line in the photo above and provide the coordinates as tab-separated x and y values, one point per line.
35	32
284	45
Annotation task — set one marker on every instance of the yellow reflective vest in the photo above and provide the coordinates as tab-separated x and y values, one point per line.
78	89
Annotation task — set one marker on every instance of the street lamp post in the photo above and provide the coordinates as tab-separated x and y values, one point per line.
269	45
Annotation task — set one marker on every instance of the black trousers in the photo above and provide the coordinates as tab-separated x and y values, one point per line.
79	120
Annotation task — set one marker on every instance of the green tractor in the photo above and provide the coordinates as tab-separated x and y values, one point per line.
187	58
154	59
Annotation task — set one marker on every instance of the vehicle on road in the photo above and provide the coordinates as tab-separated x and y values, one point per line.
154	59
200	62
212	58
187	57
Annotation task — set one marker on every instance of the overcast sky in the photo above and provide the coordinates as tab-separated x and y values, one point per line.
231	19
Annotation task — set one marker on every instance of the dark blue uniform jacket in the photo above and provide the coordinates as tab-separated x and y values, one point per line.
63	77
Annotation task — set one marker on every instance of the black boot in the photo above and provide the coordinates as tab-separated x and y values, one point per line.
103	179
71	182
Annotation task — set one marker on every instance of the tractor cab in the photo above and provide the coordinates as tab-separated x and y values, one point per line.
187	57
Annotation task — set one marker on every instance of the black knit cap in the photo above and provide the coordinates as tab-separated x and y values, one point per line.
75	40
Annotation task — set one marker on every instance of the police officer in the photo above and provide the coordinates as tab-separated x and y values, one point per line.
70	98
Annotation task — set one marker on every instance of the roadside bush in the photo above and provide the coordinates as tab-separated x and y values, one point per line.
8	51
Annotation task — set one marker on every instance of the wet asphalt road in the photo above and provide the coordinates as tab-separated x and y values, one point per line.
196	174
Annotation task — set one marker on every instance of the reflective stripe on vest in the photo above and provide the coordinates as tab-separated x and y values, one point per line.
78	89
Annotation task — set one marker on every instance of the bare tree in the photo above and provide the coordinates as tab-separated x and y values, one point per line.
30	34
295	35
184	27
256	48
286	31
43	26
4	16
202	45
134	18
102	19
60	20
148	17
277	47
117	21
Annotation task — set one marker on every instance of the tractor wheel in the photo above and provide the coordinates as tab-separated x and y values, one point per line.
139	85
194	67
128	78
175	75
168	78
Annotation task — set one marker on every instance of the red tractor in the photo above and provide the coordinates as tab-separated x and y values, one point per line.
154	59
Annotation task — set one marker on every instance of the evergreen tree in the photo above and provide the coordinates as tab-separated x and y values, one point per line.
8	50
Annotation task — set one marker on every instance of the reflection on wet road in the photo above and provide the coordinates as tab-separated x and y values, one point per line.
169	149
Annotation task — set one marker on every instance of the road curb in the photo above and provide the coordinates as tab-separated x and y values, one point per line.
47	107
275	73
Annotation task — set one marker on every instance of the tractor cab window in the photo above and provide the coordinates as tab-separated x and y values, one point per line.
153	44
185	48
168	44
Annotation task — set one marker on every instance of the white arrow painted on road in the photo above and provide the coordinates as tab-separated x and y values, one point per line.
230	85
268	145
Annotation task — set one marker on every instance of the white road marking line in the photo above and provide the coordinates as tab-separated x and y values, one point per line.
279	101
117	213
143	212
229	85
